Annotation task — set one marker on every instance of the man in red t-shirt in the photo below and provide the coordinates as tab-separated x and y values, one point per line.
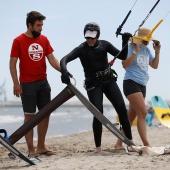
32	48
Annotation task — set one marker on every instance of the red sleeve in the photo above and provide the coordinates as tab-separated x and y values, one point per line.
15	50
49	49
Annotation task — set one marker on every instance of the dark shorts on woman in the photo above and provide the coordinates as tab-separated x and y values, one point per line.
130	87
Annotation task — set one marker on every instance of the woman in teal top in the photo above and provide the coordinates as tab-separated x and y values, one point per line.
136	77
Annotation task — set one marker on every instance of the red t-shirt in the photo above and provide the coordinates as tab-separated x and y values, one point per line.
32	54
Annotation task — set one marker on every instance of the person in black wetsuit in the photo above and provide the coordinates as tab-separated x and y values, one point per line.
99	77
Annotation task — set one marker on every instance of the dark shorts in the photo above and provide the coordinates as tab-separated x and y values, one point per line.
35	94
130	86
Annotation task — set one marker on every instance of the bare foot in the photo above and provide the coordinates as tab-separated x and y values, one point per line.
98	150
31	151
118	147
148	145
32	154
118	144
41	150
47	153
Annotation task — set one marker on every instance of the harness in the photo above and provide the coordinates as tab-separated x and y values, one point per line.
106	74
91	82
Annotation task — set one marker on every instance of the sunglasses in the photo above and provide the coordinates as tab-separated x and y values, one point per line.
88	38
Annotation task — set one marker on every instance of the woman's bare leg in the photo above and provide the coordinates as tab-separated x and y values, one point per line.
131	116
138	104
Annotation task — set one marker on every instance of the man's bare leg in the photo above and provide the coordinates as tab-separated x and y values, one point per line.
29	137
42	130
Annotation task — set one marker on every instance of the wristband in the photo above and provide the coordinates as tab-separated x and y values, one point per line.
157	52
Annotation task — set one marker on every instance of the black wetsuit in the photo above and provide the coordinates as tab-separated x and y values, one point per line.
100	79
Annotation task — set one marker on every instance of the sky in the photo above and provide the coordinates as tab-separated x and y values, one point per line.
64	24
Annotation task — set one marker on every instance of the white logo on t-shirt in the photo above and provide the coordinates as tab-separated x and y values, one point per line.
143	62
35	52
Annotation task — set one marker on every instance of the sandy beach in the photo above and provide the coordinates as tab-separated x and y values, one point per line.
76	152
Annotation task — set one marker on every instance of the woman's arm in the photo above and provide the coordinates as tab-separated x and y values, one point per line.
126	63
154	63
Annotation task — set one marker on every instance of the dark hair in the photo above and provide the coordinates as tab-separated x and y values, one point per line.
34	16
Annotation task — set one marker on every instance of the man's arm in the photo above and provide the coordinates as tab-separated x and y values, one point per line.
65	75
125	38
53	61
17	90
122	55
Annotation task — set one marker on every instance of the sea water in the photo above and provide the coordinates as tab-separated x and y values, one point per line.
65	120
